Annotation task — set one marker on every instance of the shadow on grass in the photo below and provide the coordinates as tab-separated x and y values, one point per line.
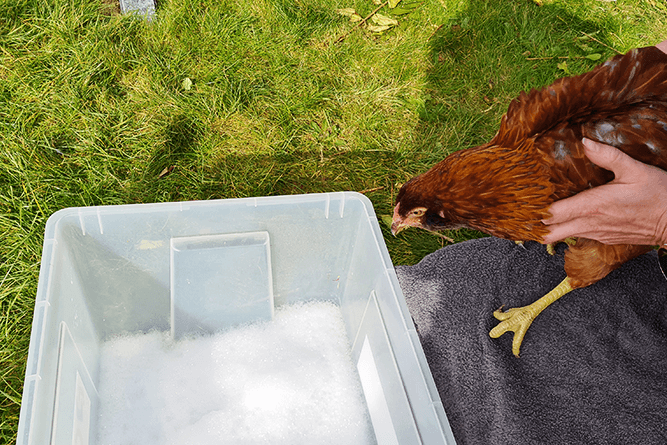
180	138
480	61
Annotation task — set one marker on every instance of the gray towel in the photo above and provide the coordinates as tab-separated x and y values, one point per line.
593	365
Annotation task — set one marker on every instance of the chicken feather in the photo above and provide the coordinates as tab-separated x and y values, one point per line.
505	187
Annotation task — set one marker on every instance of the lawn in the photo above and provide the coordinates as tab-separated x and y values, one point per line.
233	98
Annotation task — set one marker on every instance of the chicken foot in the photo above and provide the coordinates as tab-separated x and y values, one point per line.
551	248
518	319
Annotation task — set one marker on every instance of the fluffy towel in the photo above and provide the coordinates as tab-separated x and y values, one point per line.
593	365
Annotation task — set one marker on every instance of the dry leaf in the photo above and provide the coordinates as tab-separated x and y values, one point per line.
374	28
347	12
383	20
405	7
351	13
166	171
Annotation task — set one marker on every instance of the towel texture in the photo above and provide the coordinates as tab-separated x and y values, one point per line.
593	365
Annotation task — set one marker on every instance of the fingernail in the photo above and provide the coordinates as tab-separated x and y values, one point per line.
590	145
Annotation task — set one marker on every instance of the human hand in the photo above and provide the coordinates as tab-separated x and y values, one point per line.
662	46
631	209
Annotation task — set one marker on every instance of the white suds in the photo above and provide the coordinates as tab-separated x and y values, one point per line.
288	381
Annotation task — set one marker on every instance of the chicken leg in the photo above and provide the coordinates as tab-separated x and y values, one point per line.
551	248
518	319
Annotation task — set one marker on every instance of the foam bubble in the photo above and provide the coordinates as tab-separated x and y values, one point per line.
287	381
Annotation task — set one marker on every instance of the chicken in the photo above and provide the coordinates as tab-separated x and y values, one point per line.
505	187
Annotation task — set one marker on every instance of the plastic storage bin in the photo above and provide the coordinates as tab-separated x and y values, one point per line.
134	268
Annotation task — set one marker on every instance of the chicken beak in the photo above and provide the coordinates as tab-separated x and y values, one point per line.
397	222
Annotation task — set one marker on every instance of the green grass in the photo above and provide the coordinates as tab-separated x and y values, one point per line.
93	108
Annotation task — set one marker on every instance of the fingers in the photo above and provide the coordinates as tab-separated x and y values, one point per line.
561	231
584	203
603	155
566	215
630	209
566	209
611	158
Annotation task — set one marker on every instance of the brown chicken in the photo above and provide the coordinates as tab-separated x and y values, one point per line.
505	187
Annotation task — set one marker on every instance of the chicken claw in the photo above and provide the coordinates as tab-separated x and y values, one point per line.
519	319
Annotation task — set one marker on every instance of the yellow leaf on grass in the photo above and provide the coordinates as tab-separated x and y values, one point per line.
375	28
351	13
347	12
406	8
383	20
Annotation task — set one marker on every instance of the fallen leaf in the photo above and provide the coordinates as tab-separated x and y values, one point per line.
383	20
563	66
404	6
393	3
378	29
347	12
166	171
594	56
351	13
187	84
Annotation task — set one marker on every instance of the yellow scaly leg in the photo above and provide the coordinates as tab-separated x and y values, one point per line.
518	319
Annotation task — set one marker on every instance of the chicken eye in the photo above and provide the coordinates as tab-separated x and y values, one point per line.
418	212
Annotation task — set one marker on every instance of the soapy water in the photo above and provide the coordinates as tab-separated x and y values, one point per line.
286	381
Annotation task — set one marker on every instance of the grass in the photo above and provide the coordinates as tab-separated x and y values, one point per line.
93	108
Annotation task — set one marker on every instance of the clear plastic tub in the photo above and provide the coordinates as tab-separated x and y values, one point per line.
198	267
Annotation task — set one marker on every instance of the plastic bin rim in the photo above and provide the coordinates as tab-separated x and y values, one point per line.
56	216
